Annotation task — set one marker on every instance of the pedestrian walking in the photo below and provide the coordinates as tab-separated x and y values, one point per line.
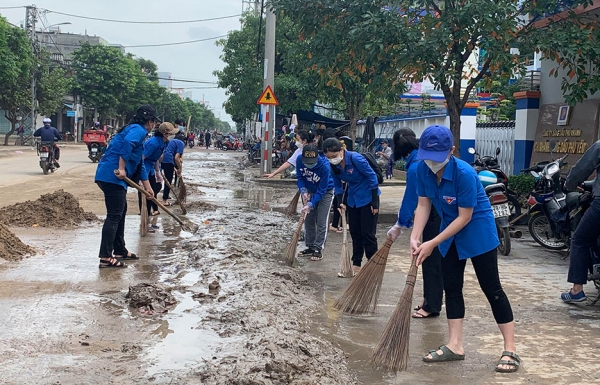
316	188
468	231
360	198
125	155
207	139
406	146
172	162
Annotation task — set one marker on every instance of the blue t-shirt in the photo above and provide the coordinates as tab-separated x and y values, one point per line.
174	146
411	198
360	178
460	187
129	145
316	180
153	149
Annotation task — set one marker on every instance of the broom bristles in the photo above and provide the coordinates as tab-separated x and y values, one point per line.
182	191
290	251
391	353
292	208
363	292
345	256
144	217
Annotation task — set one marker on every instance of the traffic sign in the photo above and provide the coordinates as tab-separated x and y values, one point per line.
268	97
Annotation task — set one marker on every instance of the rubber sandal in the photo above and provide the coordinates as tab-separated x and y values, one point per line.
515	362
418	307
316	258
447	355
421	315
155	213
168	204
111	263
130	257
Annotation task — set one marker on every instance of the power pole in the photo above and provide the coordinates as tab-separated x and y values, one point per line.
30	20
268	111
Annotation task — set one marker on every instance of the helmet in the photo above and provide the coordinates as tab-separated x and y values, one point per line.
96	124
47	120
487	178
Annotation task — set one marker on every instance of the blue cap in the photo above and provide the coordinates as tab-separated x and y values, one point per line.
435	144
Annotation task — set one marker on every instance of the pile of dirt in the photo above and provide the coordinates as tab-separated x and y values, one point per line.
11	247
57	210
150	298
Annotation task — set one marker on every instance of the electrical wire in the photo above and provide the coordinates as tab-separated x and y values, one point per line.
155	45
140	22
22	6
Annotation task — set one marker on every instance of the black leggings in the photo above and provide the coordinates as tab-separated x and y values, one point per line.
337	217
156	188
363	227
486	269
169	169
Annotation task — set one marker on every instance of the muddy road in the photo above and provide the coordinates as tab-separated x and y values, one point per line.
220	307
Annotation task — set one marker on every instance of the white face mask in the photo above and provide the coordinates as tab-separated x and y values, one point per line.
436	166
181	128
299	144
171	137
335	161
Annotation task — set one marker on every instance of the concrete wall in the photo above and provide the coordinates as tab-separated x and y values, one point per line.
550	85
418	125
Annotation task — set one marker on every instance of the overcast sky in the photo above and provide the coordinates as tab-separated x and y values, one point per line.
195	61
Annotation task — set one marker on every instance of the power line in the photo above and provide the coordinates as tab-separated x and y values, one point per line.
155	45
140	22
22	6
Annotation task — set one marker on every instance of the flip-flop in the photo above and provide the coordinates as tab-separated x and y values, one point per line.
421	315
155	213
447	355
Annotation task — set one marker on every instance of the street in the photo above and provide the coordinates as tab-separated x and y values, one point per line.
66	322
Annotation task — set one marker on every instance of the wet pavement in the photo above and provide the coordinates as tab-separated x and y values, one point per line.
65	321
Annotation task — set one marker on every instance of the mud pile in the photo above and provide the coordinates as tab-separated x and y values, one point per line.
11	247
57	210
150	299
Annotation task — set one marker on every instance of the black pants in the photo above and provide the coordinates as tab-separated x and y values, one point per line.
433	283
113	231
169	170
56	152
486	269
337	217
583	244
363	227
151	206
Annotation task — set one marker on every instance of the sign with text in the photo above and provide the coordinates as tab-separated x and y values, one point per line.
574	130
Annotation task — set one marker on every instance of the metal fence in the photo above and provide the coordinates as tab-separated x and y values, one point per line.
491	135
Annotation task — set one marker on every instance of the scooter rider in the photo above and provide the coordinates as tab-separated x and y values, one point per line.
588	230
50	134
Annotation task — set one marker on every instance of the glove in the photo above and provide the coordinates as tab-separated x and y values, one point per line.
309	206
395	232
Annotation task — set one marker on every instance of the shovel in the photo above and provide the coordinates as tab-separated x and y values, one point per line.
189	226
179	202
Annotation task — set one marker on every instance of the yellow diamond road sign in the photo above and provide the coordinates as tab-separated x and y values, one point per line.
268	97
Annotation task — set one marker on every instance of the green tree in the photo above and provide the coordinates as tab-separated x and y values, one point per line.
53	83
15	73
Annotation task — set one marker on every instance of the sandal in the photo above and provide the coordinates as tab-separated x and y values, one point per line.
421	315
128	257
111	262
514	363
316	257
155	213
447	355
168	204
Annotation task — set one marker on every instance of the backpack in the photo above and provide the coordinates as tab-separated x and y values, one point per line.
372	162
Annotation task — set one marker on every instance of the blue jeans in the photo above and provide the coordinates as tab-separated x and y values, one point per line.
583	243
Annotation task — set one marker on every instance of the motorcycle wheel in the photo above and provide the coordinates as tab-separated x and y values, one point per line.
515	208
224	148
540	230
45	167
504	236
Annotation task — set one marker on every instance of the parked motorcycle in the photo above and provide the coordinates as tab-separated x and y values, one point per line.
236	145
254	153
46	152
96	142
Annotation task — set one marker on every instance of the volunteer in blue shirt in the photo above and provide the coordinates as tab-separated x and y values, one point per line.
406	145
468	231
153	150
316	186
172	162
360	198
125	155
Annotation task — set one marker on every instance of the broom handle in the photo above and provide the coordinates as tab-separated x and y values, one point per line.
151	197
171	187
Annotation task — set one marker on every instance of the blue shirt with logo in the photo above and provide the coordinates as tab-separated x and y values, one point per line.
316	180
460	187
411	198
153	149
174	146
129	145
359	177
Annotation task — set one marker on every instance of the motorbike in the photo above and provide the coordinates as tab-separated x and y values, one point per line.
219	144
97	142
46	152
491	164
191	143
236	145
254	153
498	197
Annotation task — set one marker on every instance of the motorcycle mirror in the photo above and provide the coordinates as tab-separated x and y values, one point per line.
552	148
497	151
471	150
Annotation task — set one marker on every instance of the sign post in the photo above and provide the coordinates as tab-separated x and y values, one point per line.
267	102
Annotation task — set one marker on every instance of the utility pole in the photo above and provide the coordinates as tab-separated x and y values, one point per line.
268	111
30	20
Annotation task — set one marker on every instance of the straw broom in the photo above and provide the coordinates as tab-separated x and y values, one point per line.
292	208
345	264
362	294
391	353
144	217
290	251
182	190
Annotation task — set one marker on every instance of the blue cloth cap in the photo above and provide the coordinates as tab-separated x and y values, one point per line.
435	144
